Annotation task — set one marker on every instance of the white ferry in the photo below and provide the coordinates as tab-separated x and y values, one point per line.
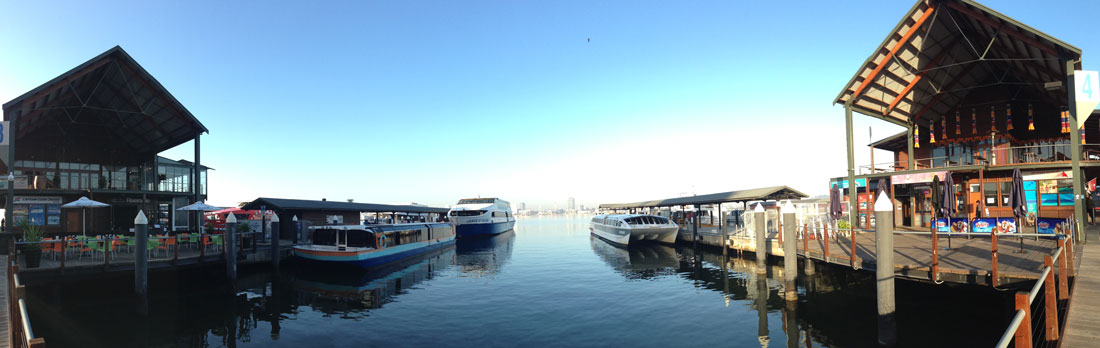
369	246
482	217
623	228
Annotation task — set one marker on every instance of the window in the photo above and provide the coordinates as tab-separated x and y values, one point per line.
991	194
975	188
334	219
1006	194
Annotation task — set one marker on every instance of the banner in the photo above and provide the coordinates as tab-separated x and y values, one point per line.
984	225
1006	225
957	225
1050	225
916	178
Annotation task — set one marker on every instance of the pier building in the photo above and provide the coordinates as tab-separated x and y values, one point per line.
98	130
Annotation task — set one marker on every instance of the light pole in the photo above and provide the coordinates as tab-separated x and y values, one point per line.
10	212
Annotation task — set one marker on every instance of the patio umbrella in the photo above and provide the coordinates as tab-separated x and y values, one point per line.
937	198
1016	201
835	210
199	206
949	207
84	203
881	187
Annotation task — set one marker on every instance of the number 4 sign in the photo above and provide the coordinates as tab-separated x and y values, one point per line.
1087	91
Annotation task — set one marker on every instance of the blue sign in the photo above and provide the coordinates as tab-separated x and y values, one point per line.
984	225
957	225
1050	225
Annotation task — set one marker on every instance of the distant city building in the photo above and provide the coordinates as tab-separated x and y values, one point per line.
522	206
572	204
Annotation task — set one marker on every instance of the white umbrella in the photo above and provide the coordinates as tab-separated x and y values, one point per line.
84	203
199	206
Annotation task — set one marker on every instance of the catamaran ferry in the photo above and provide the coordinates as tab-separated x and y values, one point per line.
373	245
623	228
482	217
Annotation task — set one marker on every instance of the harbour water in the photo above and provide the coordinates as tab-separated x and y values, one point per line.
548	283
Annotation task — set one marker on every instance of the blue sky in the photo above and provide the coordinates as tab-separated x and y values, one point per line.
432	101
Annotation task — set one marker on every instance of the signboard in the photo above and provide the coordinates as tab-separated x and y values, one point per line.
844	183
984	225
4	132
1006	226
37	200
1049	225
1064	174
1087	94
916	178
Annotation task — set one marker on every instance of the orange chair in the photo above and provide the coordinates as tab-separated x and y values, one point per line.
169	243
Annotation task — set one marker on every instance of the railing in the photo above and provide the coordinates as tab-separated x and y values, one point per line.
1007	155
19	324
74	251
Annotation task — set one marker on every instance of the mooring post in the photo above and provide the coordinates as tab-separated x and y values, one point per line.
297	229
790	257
761	243
791	326
275	241
141	255
229	248
761	304
1023	333
884	270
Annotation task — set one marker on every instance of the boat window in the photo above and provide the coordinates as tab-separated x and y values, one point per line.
476	200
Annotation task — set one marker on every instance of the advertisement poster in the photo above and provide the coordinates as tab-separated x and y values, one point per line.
957	225
53	215
37	214
1049	225
984	225
1006	225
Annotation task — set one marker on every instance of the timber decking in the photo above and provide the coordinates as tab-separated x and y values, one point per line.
1083	325
5	321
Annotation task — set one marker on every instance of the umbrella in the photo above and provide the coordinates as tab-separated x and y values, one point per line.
84	203
1016	201
949	206
199	206
937	197
835	211
881	187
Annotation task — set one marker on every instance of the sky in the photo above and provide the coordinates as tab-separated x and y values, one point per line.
529	101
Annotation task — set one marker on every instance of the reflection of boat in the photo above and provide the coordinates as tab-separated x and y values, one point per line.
370	246
484	256
482	216
640	261
624	228
330	290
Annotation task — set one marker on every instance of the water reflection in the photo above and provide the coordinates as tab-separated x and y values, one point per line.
484	257
639	260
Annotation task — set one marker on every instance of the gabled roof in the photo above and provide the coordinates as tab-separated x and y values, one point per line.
107	105
302	204
756	194
896	142
943	50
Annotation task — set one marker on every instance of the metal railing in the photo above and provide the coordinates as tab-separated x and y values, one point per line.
1001	155
1027	330
73	251
19	324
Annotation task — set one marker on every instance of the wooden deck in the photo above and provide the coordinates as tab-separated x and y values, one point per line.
1083	325
967	261
5	321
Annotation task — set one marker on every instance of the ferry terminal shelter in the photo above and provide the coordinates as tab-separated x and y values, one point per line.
978	95
97	130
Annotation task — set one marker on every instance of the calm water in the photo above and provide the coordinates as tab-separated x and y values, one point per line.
547	284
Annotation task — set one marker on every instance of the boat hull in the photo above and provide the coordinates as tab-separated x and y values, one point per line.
483	229
371	258
623	236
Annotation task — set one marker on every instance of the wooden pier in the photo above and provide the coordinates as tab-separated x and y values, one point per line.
1083	325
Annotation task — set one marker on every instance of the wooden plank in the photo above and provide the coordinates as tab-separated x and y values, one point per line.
1083	322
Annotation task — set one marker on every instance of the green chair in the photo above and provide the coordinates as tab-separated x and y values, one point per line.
152	245
217	239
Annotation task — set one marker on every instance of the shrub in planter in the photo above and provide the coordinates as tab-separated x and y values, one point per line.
32	253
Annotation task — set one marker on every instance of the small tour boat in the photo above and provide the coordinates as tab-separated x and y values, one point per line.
373	245
474	217
623	228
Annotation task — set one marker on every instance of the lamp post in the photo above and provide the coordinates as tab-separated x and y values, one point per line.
9	213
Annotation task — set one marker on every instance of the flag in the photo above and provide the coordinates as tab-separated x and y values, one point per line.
1008	117
1092	185
1030	119
974	121
916	136
992	118
943	127
931	133
1065	121
958	127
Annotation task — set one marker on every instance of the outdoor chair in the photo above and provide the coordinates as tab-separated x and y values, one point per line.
153	245
168	243
82	246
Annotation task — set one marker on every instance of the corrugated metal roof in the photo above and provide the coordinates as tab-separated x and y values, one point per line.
941	51
756	194
302	204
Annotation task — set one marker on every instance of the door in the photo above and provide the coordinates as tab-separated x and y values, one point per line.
72	219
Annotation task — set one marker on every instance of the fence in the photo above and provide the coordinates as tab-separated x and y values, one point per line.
1046	299
76	251
19	324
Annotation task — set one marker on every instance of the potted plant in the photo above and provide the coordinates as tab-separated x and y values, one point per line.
32	253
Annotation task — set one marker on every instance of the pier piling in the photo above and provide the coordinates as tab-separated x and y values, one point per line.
790	259
141	255
275	241
229	246
759	223
884	270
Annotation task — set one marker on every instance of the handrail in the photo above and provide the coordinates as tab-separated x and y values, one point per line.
27	333
1009	334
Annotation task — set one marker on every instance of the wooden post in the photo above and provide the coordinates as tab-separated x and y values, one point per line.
275	229
826	240
1051	309
761	236
790	257
175	248
1069	258
141	255
1023	333
935	254
779	222
805	241
884	287
993	257
1063	283
229	249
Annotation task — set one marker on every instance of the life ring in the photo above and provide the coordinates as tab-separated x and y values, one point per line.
382	241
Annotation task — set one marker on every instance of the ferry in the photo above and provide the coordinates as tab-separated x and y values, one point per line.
369	246
482	217
621	229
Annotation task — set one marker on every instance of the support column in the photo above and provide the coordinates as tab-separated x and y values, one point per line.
275	242
141	254
1075	138
196	185
909	161
297	229
790	257
9	210
884	272
761	304
853	189
695	225
229	246
759	223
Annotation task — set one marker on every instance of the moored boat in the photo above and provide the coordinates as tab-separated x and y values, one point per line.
623	228
373	245
482	217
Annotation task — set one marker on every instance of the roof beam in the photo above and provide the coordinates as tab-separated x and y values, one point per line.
882	63
939	95
1008	30
935	61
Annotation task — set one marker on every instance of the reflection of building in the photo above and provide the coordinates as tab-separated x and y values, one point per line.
969	123
96	131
